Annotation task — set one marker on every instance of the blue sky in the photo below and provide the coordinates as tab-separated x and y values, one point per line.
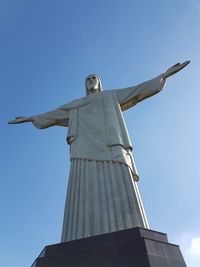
47	49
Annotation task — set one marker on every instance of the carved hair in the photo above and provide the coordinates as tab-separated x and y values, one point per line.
99	80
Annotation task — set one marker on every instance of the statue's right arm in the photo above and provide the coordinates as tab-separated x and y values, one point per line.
57	117
20	120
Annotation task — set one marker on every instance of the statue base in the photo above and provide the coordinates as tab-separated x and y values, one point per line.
135	247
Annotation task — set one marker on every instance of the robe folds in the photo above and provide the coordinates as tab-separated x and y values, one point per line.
102	194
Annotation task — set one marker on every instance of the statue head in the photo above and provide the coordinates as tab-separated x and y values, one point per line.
93	84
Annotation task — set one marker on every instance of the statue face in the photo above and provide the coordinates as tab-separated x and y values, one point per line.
92	84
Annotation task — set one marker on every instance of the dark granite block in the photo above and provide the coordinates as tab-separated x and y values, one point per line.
136	247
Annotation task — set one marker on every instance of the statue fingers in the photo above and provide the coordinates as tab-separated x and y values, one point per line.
12	121
18	120
175	65
184	64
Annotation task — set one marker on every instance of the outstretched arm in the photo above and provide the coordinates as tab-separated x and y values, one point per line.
175	68
55	117
59	116
130	96
20	120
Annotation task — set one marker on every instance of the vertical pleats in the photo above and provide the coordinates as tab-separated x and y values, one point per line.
101	197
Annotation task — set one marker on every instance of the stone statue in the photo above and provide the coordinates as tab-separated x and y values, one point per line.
102	193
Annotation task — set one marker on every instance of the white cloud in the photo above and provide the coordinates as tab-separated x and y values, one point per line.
192	254
190	248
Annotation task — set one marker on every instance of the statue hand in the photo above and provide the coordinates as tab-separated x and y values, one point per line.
175	68
20	120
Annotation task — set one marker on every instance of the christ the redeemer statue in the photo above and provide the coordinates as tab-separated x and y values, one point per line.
102	193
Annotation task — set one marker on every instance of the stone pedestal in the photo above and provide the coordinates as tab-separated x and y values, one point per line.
136	247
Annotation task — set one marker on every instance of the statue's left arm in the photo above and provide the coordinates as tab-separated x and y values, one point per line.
130	96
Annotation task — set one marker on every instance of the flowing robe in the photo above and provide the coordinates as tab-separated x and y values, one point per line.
102	194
